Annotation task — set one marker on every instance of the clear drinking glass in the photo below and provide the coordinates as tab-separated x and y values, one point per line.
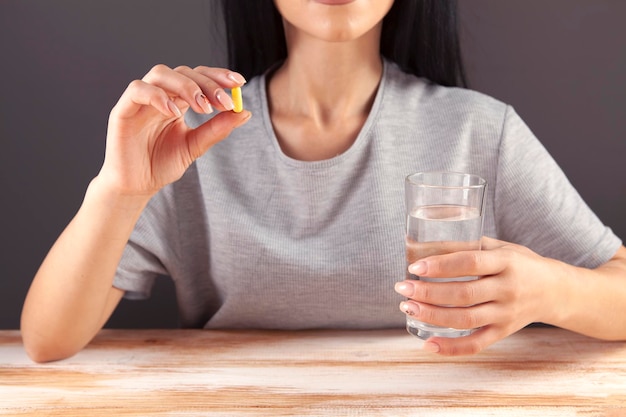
444	213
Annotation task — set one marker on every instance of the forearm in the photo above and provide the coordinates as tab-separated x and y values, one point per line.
593	302
68	298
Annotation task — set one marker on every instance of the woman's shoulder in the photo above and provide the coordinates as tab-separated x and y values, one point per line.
416	94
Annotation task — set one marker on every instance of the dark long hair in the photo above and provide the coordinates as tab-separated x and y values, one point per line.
421	36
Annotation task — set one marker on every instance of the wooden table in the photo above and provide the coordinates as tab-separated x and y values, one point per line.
536	372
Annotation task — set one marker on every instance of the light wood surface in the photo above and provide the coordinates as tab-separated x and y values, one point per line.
536	372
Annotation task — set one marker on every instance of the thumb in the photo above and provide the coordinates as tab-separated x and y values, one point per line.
488	243
216	129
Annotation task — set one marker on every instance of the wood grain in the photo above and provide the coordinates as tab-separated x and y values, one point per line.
537	372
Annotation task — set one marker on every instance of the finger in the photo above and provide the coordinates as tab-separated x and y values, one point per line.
139	94
489	243
220	78
224	77
419	250
458	293
213	131
460	264
467	345
215	95
179	85
453	317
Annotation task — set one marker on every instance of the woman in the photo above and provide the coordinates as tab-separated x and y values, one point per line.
296	220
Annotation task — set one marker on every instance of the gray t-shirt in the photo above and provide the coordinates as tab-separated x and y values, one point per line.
255	239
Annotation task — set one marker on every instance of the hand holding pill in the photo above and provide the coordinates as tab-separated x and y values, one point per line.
150	112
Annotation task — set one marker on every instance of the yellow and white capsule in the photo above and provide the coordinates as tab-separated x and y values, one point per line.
237	99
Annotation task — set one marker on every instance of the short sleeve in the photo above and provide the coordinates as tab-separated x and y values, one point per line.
537	206
150	250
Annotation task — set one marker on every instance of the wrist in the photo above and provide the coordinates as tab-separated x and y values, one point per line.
564	290
108	196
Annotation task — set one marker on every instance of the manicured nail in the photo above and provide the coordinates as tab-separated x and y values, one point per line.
418	268
404	288
410	309
203	102
174	108
224	99
238	78
431	347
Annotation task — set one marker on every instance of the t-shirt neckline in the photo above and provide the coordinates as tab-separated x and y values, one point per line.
360	141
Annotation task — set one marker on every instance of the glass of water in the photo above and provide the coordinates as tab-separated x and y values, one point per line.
444	214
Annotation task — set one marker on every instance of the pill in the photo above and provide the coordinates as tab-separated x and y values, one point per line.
237	99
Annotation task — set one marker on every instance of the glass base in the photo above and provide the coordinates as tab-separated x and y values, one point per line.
425	330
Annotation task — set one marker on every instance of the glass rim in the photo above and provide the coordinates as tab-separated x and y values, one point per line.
480	181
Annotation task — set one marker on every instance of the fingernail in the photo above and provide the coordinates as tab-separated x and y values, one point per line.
409	308
418	268
431	347
404	288
236	77
224	99
203	102
174	108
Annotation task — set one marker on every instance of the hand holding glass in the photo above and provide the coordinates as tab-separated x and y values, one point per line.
444	213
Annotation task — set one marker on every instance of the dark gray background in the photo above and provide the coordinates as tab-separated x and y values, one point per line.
560	63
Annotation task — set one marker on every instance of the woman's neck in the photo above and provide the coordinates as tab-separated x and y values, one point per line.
322	94
326	80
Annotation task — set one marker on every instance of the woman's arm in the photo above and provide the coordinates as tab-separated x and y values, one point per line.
72	295
595	301
517	287
148	146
